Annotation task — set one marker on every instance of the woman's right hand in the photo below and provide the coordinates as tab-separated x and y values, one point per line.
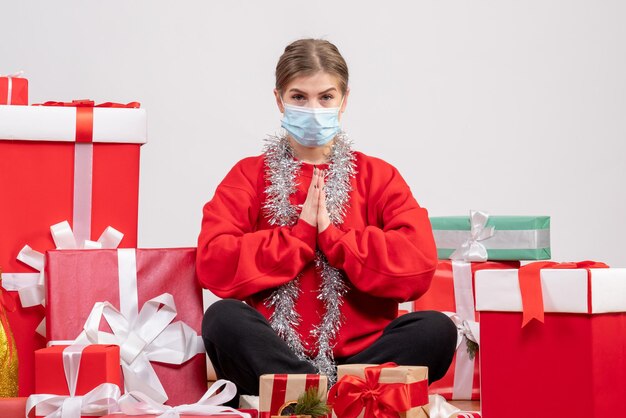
311	204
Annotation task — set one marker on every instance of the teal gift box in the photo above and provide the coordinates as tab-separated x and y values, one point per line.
503	237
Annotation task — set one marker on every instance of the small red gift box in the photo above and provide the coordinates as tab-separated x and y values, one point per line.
452	290
134	280
62	163
571	364
97	364
13	90
277	390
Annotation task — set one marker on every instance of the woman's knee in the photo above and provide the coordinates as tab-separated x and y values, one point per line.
220	317
443	327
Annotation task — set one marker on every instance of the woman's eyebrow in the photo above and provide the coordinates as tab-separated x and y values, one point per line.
296	90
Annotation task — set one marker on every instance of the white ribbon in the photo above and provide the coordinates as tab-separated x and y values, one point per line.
467	329
10	78
438	407
473	249
137	403
31	286
100	400
151	336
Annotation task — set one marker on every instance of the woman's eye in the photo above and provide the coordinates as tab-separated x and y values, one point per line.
327	97
298	97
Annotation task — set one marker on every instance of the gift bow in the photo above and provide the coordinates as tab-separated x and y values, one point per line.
529	277
473	249
351	394
151	336
100	400
465	329
30	286
138	403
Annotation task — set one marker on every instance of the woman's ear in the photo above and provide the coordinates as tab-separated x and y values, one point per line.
279	102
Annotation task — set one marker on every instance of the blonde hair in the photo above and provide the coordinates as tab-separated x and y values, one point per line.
308	56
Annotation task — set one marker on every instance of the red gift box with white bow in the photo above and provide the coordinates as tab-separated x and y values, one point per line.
66	162
148	301
552	335
89	375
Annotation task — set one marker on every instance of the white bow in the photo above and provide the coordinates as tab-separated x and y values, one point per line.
137	403
473	249
99	401
438	407
31	286
151	336
465	329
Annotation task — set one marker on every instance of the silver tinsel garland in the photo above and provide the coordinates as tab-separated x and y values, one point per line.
281	173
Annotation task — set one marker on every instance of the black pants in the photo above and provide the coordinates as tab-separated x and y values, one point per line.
242	345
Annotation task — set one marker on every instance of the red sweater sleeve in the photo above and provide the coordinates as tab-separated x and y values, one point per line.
395	259
234	259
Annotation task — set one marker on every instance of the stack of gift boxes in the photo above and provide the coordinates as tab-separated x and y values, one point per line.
121	324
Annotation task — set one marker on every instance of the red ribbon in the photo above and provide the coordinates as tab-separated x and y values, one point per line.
530	285
351	394
84	115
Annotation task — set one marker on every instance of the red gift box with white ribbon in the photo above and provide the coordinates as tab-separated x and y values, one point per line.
452	291
148	301
554	336
64	162
75	381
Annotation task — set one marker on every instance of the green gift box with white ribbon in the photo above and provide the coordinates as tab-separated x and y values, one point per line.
480	237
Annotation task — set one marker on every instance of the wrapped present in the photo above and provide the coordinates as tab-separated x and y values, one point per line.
568	356
278	390
59	163
13	89
386	390
452	291
139	405
492	237
138	295
76	380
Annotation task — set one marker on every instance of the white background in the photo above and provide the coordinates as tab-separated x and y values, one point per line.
513	107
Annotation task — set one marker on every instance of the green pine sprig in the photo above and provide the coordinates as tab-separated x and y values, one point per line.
310	403
472	348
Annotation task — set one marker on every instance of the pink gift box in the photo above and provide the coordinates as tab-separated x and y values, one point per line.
76	280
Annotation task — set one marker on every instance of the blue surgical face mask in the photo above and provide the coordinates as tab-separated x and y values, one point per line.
311	127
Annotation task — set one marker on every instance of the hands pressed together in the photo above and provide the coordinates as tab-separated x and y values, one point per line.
314	207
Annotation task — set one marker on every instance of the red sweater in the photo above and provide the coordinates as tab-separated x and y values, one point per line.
385	248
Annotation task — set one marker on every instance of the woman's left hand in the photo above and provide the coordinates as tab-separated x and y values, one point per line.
323	219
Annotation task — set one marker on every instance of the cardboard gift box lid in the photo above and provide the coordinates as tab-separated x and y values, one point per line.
58	123
593	291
